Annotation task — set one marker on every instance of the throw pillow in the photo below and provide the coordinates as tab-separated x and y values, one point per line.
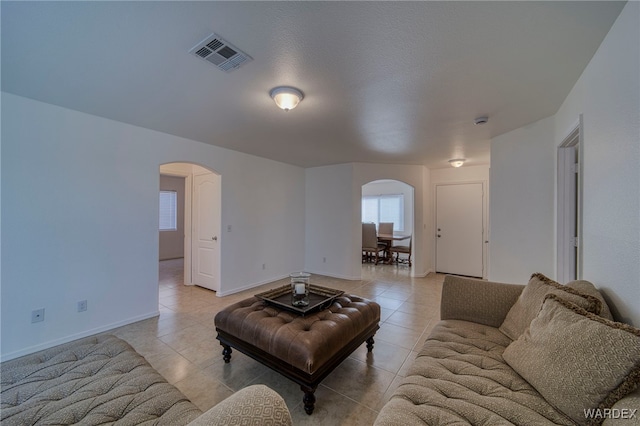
579	362
585	287
530	301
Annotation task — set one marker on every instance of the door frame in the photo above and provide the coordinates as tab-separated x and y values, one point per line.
485	221
188	222
569	205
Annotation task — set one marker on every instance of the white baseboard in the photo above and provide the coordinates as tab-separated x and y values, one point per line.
249	286
342	277
313	272
423	274
270	280
66	339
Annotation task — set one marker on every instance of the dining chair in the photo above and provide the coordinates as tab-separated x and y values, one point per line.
370	242
386	228
402	249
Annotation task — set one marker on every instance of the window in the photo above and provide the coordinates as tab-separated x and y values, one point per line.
384	208
168	211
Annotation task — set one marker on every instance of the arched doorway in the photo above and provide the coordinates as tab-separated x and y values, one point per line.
390	201
201	222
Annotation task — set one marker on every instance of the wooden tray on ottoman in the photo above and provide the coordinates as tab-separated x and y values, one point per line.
319	298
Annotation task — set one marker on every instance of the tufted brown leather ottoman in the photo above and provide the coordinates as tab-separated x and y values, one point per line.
304	349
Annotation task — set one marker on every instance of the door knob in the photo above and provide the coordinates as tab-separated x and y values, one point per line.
215	238
438	235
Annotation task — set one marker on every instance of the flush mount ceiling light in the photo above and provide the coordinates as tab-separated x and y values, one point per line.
457	162
286	98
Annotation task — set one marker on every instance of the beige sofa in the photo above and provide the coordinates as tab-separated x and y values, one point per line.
103	380
513	354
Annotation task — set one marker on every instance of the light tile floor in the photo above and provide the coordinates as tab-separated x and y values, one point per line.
181	344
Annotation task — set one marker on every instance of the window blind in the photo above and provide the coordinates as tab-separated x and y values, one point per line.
168	210
384	208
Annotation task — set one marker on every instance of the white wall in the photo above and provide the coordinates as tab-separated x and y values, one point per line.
460	174
329	222
608	97
79	220
333	216
522	200
428	238
523	168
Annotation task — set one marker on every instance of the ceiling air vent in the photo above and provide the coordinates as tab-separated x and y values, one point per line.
219	52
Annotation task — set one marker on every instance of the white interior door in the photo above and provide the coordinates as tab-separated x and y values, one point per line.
206	231
459	229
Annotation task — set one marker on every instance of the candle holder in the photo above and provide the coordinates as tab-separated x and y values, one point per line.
300	288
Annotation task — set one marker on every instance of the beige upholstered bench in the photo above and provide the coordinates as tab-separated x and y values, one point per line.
304	349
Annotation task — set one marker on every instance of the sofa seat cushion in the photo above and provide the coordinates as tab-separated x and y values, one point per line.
459	377
96	380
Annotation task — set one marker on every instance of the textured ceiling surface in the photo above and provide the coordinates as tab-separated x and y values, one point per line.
387	82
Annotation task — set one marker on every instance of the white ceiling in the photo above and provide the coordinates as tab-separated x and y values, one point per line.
386	82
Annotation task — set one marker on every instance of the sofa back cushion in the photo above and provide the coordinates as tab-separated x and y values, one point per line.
581	363
483	302
530	301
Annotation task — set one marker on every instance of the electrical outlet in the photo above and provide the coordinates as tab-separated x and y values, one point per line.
264	266
324	260
82	306
228	228
37	315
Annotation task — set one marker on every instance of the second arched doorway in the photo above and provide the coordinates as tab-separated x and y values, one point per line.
390	201
201	222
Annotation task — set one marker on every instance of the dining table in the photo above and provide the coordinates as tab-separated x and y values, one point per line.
388	239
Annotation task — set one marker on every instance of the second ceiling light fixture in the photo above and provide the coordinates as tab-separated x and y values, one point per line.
287	98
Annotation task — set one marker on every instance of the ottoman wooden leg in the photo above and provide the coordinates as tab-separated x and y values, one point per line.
226	353
370	343
309	399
